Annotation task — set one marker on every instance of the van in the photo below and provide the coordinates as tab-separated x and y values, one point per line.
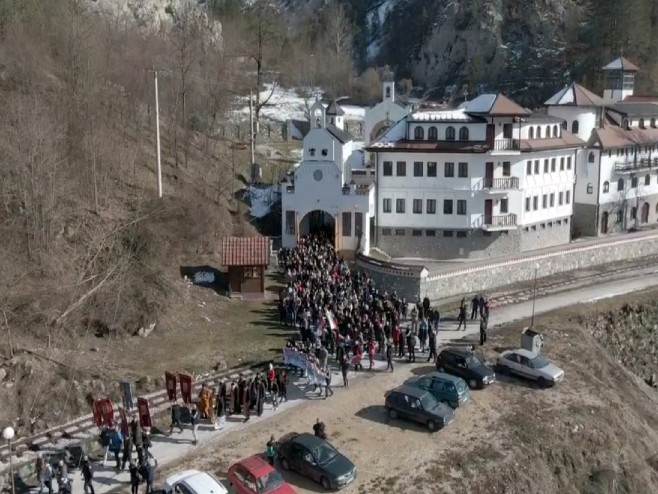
451	390
418	406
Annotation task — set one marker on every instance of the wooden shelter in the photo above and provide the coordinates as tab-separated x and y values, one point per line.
247	259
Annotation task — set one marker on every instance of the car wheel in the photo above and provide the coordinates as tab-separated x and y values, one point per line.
542	382
324	482
473	384
431	425
393	413
284	464
441	369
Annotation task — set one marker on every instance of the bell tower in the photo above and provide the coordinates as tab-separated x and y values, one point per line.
388	86
318	116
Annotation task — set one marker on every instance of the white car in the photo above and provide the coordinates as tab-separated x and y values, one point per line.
193	482
530	365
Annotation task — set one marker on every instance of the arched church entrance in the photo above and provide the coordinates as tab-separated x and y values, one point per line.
379	129
318	222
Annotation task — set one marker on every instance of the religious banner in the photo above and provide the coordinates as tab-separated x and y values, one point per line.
98	415
185	387
125	426
107	411
170	383
144	409
127	395
292	356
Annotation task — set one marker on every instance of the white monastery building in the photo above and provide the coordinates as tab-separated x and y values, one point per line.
486	179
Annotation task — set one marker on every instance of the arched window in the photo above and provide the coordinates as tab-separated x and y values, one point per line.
653	123
463	134
556	131
574	127
564	125
641	123
419	133
538	132
626	124
633	212
548	132
620	185
531	133
432	134
388	91
590	158
606	187
647	179
450	134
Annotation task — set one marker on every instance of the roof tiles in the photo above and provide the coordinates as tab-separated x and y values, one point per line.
245	251
574	95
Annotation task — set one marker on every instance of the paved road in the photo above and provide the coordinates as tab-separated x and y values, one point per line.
168	449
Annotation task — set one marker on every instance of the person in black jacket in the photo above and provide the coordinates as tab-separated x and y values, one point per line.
87	475
319	429
134	477
175	418
194	422
389	355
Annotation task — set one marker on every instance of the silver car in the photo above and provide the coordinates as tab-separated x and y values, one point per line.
530	365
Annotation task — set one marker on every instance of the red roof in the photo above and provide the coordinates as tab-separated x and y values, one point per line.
245	251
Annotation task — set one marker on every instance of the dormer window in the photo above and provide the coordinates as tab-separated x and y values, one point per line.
432	134
450	134
311	152
419	133
463	134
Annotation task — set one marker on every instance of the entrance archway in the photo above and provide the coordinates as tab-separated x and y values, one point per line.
318	222
604	222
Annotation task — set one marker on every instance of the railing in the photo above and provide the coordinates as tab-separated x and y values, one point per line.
499	221
642	164
361	190
506	145
504	183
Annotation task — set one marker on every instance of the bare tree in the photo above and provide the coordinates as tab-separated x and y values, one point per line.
339	34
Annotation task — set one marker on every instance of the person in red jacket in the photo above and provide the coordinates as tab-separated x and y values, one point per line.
371	353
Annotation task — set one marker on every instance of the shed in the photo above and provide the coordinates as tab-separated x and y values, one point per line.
247	259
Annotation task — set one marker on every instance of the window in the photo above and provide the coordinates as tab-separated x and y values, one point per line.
590	157
290	222
432	134
463	134
620	185
462	234
633	213
560	198
419	133
416	233
574	127
431	169
388	168
358	224
590	189
619	217
388	91
546	165
431	206
606	187
544	201
552	199
463	170
311	152
538	132
447	206
504	206
450	134
347	224
531	133
561	163
418	206
647	180
447	233
568	198
401	168
450	170
507	169
536	167
564	125
386	205
553	162
324	152
430	233
568	162
461	206
399	232
399	205
386	232
653	123
527	204
641	123
528	167
556	131
535	203
548	131
633	182
418	168
507	131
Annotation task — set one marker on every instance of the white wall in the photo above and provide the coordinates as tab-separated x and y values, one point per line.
587	173
609	174
586	116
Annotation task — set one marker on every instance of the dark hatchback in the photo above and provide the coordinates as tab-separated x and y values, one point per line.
316	459
417	405
465	364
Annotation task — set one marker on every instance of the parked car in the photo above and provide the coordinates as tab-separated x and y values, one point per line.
193	482
417	405
316	459
255	475
530	365
465	364
446	388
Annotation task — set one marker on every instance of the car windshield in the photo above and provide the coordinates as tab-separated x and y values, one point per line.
428	401
324	453
270	481
538	362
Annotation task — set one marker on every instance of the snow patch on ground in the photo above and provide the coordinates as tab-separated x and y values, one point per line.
262	199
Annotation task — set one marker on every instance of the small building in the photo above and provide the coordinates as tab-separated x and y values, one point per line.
247	259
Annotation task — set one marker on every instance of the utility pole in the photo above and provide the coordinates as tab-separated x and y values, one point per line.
157	132
252	130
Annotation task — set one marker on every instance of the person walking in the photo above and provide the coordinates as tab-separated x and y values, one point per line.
194	423
175	418
270	450
116	445
327	384
148	474
134	477
246	402
389	356
87	475
38	470
432	346
462	316
136	436
411	344
220	418
62	476
483	331
344	367
48	476
475	304
127	451
414	319
422	333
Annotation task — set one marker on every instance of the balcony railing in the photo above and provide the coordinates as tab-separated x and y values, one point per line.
499	222
634	166
360	190
506	145
504	183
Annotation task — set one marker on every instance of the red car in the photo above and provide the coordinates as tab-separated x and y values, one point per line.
254	475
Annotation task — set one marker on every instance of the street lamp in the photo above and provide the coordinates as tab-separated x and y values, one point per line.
8	434
534	296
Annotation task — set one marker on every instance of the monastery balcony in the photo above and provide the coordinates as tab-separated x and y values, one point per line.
500	185
503	145
631	167
497	223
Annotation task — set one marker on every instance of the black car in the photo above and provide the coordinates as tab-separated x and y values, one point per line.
417	405
465	364
316	459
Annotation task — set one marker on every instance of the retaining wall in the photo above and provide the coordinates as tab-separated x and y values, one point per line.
488	275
